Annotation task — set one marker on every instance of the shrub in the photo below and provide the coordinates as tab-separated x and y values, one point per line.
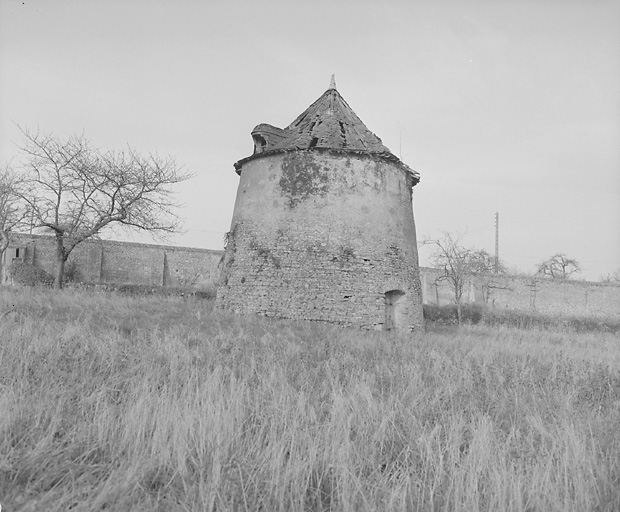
141	290
205	294
477	313
440	314
532	319
26	274
447	314
72	272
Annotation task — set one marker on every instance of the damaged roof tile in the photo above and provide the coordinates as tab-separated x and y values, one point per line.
329	123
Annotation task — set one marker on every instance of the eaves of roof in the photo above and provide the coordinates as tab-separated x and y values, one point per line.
386	156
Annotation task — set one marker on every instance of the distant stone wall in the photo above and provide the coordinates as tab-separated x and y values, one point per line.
105	261
544	295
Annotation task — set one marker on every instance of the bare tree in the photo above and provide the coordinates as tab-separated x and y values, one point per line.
76	191
453	260
612	278
459	266
482	270
559	266
12	211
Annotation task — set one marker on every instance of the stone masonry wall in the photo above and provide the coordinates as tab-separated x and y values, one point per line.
318	236
546	296
182	266
105	261
320	281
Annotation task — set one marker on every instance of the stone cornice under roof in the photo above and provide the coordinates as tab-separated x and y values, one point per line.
328	124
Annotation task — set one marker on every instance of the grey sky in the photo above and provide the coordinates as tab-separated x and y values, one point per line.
509	106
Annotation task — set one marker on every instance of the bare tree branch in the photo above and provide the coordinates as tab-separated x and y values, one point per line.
612	278
559	266
12	212
451	258
76	191
460	266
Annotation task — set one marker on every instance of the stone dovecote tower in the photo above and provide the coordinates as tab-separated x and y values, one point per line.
323	225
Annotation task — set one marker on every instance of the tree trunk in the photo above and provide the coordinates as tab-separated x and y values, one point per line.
61	258
4	243
60	273
458	295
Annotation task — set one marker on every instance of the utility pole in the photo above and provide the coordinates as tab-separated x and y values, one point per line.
496	242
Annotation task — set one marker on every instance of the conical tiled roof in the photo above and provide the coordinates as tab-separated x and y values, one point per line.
329	123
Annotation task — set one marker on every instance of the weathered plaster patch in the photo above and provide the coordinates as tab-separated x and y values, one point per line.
302	177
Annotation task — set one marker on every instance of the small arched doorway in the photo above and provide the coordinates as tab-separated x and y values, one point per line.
395	310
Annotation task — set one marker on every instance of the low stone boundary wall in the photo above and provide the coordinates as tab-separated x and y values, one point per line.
106	261
526	293
111	262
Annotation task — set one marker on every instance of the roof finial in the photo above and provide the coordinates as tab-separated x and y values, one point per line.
332	83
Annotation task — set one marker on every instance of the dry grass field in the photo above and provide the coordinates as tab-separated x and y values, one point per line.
119	403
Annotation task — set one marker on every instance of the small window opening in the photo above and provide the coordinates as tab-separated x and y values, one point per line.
17	253
260	144
313	142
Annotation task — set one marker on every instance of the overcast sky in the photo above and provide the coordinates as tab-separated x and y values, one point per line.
501	106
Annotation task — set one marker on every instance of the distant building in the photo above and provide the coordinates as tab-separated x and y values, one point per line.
323	225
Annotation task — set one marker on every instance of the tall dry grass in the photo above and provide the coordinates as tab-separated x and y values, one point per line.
116	403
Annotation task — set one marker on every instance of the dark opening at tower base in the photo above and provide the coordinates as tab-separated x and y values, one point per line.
395	310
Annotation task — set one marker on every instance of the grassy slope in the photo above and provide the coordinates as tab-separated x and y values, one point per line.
116	403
